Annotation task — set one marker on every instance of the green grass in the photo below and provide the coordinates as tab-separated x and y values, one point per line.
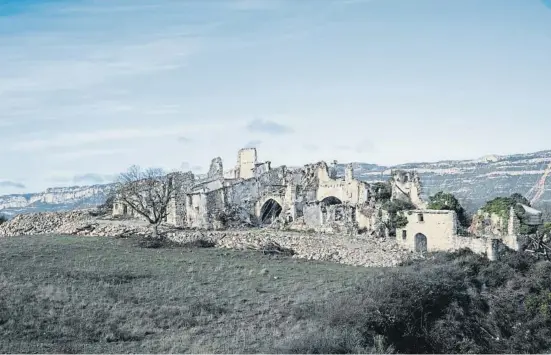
68	294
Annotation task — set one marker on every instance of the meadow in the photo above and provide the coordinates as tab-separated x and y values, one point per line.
66	294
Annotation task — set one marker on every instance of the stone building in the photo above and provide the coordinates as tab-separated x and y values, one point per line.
437	230
313	197
253	192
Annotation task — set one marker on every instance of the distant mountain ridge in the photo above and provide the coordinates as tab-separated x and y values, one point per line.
476	181
473	182
54	199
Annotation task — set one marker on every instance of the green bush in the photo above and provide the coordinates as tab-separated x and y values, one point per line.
447	201
501	207
382	191
3	219
448	303
395	211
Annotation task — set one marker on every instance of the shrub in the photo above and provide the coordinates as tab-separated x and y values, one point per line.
447	201
273	248
327	340
154	243
449	303
382	191
3	219
199	243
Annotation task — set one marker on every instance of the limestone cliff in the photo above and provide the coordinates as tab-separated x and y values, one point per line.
54	199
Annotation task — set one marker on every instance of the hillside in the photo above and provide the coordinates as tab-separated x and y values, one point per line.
477	181
472	181
54	199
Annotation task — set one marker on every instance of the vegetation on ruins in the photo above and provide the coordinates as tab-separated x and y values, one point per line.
447	201
396	217
501	207
148	192
382	191
105	295
546	228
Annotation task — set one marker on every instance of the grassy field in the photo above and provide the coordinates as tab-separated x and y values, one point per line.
82	294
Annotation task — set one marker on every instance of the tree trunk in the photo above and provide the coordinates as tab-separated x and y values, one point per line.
155	230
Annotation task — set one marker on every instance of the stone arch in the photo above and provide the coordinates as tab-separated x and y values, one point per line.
270	210
421	243
331	200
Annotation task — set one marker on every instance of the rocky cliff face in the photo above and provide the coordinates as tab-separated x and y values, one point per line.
54	199
476	181
473	181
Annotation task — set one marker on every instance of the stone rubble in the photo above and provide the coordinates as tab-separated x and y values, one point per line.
359	250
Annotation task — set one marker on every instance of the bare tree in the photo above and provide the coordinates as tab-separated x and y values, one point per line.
147	192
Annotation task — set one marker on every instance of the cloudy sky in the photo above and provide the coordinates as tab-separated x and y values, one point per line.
89	87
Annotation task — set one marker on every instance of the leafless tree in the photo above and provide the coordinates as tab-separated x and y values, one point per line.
148	192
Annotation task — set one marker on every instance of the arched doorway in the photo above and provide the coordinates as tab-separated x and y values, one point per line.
420	243
270	211
331	200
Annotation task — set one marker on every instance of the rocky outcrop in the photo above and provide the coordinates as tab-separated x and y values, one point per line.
353	250
55	199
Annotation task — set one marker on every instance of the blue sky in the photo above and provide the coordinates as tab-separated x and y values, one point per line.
89	87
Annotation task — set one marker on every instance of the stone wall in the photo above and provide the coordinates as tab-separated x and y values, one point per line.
437	227
406	186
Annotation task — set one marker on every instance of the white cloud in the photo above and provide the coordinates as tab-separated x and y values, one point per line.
96	65
72	139
87	153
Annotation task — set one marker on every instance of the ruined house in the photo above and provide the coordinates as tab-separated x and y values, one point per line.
253	192
311	197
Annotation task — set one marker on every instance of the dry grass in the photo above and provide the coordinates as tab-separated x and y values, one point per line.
67	294
101	295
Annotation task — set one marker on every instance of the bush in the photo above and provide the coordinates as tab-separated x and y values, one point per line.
329	340
501	207
3	219
382	191
449	303
447	201
273	248
154	243
199	243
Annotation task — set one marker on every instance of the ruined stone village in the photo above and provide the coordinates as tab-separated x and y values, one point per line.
309	210
314	198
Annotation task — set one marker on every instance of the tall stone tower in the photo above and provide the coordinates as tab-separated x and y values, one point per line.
246	162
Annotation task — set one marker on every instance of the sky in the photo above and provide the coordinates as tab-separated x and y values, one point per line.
91	87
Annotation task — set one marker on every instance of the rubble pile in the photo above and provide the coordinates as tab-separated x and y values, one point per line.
360	250
345	249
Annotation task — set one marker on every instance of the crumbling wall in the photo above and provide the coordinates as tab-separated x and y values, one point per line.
262	168
216	209
488	224
176	214
196	210
406	186
241	198
312	215
216	169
